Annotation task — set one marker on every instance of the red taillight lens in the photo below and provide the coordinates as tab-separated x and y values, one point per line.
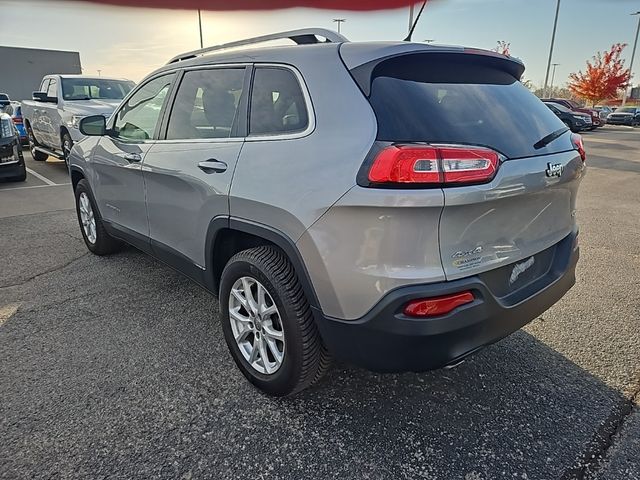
17	120
436	306
430	164
579	146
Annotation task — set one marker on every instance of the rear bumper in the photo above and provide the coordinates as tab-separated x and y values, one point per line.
386	340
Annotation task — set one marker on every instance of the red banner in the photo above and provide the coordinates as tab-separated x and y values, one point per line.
221	5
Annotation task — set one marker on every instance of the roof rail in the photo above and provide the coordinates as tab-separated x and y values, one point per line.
301	37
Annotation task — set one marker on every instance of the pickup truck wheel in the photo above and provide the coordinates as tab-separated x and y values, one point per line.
94	234
37	155
67	145
268	324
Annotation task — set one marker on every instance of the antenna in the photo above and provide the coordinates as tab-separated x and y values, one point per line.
408	39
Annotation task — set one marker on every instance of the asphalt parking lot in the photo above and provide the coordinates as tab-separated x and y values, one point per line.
115	367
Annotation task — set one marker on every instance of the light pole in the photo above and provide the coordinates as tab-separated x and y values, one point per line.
99	73
410	17
553	39
633	54
553	75
200	27
339	21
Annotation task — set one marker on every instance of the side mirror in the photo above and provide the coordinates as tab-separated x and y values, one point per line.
93	126
39	96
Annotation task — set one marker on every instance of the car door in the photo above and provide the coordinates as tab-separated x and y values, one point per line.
117	159
48	126
38	111
188	172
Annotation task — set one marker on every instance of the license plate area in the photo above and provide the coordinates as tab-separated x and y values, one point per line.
509	279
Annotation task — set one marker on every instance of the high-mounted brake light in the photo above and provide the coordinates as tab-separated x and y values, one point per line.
579	146
434	165
436	306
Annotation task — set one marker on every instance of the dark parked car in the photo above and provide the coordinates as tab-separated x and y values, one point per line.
625	116
576	121
5	101
12	165
596	121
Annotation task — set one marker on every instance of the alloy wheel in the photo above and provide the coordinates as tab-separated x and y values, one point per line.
87	218
256	325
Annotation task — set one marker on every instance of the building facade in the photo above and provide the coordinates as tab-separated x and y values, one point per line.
22	69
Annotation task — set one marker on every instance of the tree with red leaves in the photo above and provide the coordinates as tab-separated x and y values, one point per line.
604	78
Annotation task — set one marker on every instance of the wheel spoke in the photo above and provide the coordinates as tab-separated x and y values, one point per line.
242	336
277	354
243	301
235	314
249	295
254	351
270	332
263	355
269	310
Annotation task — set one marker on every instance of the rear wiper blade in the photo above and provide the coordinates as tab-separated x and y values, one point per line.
550	138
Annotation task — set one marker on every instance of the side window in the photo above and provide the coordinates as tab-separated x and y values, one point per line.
52	91
277	102
206	105
45	85
138	117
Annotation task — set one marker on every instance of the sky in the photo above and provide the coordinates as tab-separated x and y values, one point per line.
132	42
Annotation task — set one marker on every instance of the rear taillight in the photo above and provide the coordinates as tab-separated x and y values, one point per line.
406	164
17	120
436	306
579	146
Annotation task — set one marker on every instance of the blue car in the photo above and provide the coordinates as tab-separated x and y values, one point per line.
15	110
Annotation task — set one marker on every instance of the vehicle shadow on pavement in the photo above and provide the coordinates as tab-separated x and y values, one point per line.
116	366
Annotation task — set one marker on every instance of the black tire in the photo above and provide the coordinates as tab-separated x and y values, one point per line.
37	155
305	359
104	243
23	174
66	145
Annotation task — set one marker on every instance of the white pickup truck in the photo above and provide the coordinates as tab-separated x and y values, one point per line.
52	117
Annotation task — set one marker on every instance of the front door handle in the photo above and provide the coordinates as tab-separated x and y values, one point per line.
212	166
131	157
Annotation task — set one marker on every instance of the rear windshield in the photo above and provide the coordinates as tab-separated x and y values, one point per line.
460	99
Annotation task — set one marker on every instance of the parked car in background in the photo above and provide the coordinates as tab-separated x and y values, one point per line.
571	105
15	110
51	119
603	111
5	101
12	166
576	121
625	116
384	203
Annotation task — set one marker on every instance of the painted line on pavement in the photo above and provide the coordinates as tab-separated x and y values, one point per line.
34	186
41	177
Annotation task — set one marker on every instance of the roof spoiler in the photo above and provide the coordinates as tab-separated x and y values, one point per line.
303	36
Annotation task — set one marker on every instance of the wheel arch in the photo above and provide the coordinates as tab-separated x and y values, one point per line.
227	235
76	175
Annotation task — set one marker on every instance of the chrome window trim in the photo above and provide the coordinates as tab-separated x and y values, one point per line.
311	117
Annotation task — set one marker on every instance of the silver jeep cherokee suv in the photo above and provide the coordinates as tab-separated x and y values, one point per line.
395	205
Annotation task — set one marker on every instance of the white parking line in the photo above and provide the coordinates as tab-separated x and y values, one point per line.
34	186
41	177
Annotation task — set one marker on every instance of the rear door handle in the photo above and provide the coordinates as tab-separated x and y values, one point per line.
131	157
212	166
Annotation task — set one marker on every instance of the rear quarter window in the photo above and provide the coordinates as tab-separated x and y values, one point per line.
459	99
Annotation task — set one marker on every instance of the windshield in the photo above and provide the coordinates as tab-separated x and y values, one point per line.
626	110
560	107
422	98
95	88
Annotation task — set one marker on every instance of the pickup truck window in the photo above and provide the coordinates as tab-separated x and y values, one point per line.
138	117
52	91
45	85
95	88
